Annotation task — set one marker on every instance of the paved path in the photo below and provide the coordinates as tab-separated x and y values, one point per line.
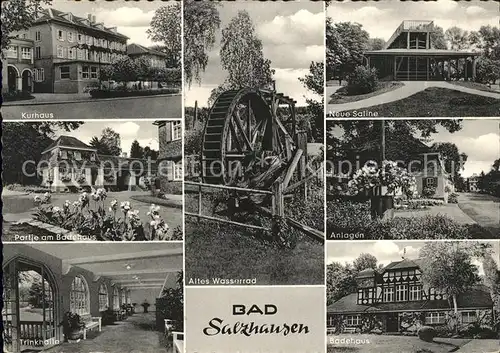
450	210
136	334
410	88
154	107
480	346
484	209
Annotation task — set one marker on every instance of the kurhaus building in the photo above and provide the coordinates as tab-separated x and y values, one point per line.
66	52
394	300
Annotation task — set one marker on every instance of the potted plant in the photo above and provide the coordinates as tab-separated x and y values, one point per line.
145	305
72	326
108	316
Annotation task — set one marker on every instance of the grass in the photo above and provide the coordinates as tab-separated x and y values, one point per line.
341	95
475	85
11	230
216	250
392	344
156	200
439	102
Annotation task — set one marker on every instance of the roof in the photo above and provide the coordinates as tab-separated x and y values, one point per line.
421	52
124	163
137	49
403	264
172	151
51	14
68	141
393	147
477	297
367	272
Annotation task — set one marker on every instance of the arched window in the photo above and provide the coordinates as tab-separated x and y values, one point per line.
79	296
128	297
103	297
116	299
124	298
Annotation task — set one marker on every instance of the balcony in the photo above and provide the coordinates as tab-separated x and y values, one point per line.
410	26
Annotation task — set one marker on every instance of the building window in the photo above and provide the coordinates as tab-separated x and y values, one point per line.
435	318
70	37
431	182
38	52
80	38
26	53
80	54
389	294
77	155
469	317
93	72
401	292
415	292
103	297
178	171
92	157
352	320
85	72
38	36
64	154
39	75
116	299
89	40
79	302
60	52
176	130
64	72
124	298
60	35
12	52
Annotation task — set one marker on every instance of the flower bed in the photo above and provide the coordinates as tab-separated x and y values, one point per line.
417	204
99	93
88	217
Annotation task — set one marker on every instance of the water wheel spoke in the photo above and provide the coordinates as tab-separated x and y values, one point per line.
234	137
236	118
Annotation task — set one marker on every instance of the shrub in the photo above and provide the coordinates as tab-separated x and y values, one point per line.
363	80
99	93
346	214
429	191
170	187
453	198
426	333
17	96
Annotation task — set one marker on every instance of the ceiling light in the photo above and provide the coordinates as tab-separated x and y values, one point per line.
128	267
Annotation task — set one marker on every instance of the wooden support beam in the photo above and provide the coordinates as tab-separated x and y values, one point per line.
226	221
292	167
278	202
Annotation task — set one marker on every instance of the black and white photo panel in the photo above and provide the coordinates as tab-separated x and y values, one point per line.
254	205
92	181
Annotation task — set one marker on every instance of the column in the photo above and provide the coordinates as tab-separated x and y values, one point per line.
407	40
428	41
465	69
395	67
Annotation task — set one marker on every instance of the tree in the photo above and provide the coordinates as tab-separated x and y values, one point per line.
492	280
376	44
365	261
25	142
242	57
453	160
150	153
201	22
340	281
108	144
457	38
18	15
346	42
165	28
314	82
437	38
448	267
136	151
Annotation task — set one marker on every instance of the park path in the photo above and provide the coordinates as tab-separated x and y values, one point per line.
410	88
480	346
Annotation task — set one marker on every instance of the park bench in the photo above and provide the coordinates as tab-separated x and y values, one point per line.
90	322
349	330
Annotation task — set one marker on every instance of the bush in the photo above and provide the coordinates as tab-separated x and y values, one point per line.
453	198
17	96
171	187
347	214
426	333
363	80
123	92
429	191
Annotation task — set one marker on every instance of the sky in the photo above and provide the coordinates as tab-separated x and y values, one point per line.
292	35
131	18
478	138
382	18
143	131
387	251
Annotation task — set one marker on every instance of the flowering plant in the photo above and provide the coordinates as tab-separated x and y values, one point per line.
389	175
42	200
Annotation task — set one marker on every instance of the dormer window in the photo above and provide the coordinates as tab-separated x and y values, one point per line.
365	296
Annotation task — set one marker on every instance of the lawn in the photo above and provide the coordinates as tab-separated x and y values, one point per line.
391	344
219	250
475	85
341	95
439	102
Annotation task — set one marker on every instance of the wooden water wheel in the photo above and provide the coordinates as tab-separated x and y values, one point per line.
245	141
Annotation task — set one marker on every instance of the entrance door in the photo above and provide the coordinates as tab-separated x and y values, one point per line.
30	316
27	81
12	78
392	322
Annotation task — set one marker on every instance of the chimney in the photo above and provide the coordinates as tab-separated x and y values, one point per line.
89	17
93	19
